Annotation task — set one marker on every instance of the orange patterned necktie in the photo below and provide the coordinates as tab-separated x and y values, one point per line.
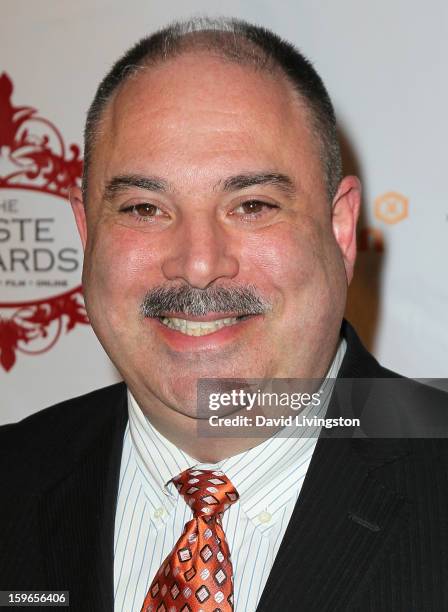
197	575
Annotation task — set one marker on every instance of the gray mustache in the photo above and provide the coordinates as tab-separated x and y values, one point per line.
199	302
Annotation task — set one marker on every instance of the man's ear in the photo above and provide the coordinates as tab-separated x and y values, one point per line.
345	212
79	211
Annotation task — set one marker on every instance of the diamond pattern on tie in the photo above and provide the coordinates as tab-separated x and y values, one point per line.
197	575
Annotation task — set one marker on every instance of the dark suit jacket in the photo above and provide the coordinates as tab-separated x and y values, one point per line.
369	532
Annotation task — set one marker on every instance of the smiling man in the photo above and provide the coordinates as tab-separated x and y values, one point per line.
206	175
219	238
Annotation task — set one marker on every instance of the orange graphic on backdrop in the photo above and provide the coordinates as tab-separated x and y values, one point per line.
391	207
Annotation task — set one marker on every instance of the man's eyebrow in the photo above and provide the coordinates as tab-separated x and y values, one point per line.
231	183
249	179
119	183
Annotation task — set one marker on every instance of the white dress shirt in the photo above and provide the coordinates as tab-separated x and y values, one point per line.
151	516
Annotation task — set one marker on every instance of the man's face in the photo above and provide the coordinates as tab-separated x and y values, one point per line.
206	177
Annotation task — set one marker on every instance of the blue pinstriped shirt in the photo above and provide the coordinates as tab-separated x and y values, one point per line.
150	515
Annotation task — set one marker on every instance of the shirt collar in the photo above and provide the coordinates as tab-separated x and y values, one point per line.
156	456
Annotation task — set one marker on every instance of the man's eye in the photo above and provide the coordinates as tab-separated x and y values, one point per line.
254	208
143	210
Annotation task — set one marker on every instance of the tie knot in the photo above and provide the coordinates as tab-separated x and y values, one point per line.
207	492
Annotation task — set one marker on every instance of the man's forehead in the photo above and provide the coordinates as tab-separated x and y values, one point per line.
206	112
195	82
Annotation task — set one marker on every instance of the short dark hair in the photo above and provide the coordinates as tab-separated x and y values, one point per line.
237	41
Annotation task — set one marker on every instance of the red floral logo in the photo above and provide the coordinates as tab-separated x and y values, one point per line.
34	158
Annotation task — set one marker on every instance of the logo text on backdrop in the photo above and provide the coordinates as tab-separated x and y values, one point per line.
40	252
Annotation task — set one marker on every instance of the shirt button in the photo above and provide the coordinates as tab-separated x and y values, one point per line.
159	512
264	517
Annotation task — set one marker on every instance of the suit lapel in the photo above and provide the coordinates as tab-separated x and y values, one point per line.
77	520
344	519
342	522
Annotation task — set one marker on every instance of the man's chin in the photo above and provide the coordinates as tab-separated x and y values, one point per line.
190	413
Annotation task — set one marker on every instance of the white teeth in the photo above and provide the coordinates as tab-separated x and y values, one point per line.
197	328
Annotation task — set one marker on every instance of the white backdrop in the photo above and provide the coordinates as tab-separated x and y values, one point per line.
385	65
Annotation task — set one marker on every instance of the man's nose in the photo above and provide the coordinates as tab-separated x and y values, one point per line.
200	253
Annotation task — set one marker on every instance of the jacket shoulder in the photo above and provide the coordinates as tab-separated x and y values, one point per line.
38	448
388	404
